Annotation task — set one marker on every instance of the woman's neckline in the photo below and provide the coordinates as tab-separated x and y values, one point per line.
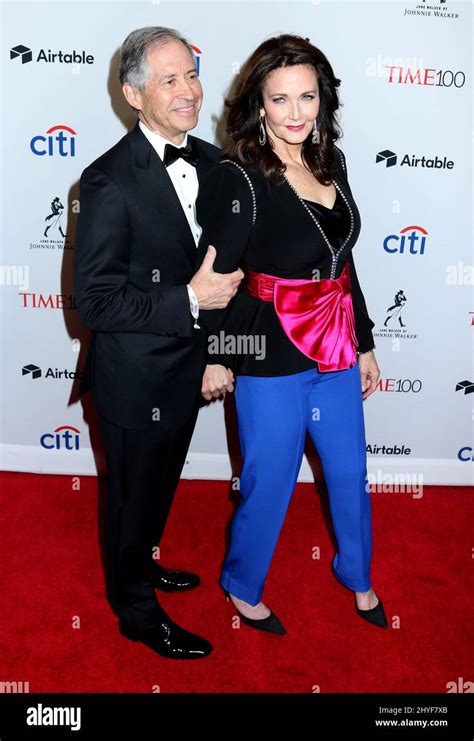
316	203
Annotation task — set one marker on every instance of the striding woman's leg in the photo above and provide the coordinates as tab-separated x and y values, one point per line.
336	425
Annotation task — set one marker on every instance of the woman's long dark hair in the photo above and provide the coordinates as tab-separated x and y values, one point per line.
244	103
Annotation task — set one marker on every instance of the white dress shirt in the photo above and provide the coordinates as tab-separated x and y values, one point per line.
186	184
183	176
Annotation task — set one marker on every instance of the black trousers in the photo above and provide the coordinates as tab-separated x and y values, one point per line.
144	467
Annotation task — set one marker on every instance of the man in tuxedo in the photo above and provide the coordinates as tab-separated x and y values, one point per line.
136	289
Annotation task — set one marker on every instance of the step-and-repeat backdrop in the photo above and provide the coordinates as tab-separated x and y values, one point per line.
406	71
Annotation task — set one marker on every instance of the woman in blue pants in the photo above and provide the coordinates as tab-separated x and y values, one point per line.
274	415
297	336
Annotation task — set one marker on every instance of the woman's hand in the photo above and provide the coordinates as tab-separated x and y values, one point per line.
216	381
369	373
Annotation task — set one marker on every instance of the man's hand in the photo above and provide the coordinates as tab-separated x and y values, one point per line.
216	381
369	373
214	290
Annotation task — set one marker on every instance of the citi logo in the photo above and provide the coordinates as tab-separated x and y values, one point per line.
465	455
58	140
42	715
431	163
74	57
62	438
412	239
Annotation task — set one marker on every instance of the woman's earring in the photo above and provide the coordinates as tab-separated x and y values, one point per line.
262	134
316	138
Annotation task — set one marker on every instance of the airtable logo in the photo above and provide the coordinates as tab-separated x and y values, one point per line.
21	52
34	372
50	57
411	160
31	370
466	386
55	142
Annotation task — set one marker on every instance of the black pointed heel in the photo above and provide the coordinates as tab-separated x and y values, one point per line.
270	624
376	615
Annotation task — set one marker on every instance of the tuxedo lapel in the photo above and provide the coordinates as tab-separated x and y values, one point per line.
150	172
205	162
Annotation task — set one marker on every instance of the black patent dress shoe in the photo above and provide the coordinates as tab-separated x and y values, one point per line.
270	624
169	640
172	580
376	615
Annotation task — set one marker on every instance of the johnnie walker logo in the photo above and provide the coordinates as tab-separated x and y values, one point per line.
394	326
54	236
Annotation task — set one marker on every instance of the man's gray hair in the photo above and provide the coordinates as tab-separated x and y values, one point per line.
134	67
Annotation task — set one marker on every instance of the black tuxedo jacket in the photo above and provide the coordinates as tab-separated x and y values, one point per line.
134	254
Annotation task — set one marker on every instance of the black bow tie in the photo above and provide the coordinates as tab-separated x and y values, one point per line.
188	153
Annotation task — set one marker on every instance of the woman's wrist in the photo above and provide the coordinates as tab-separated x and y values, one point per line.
365	352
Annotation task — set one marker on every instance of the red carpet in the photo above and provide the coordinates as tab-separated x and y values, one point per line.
58	634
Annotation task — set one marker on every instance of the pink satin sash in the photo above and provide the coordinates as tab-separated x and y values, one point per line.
316	315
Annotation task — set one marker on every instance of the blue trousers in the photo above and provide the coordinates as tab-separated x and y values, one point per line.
274	415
